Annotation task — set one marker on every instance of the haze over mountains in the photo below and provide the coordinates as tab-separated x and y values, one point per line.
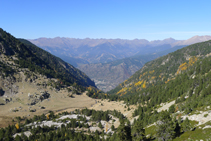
84	51
111	61
108	75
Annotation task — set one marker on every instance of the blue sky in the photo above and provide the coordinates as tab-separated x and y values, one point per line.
125	19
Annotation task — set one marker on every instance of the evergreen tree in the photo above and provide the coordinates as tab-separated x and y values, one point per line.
124	132
112	128
100	125
186	126
18	138
177	128
2	131
171	109
139	131
165	129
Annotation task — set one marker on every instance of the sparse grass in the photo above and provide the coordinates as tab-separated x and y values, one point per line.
193	123
19	100
2	101
151	130
197	134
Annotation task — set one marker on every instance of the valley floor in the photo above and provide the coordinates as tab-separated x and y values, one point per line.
58	102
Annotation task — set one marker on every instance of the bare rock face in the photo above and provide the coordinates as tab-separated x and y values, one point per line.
9	86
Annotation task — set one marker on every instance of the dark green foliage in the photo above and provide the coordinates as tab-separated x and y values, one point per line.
100	115
165	130
139	131
100	125
146	115
177	127
171	109
112	128
124	132
5	70
186	126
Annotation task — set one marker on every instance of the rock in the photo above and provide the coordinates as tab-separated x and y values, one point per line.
208	126
27	133
6	100
93	129
32	110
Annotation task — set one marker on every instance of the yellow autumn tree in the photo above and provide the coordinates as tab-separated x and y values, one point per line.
138	83
17	126
184	66
106	129
144	85
47	116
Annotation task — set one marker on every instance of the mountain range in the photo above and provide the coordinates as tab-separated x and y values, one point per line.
111	61
107	50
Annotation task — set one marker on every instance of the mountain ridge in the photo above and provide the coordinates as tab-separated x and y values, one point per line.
42	41
88	49
21	56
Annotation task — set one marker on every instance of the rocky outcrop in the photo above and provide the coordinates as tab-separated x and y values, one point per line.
35	98
9	86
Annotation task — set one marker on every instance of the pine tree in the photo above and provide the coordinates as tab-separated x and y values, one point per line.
186	126
139	131
112	128
2	133
171	109
124	132
100	125
165	130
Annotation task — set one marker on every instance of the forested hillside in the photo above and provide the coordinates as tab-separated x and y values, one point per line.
63	69
181	78
163	69
27	55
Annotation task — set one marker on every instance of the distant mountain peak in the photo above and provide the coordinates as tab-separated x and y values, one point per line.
193	40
